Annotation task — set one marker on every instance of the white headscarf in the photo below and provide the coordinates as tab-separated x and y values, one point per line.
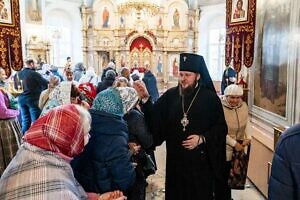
233	90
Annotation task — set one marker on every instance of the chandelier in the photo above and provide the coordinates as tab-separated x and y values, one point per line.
138	6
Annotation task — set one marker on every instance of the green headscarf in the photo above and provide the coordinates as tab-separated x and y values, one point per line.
117	101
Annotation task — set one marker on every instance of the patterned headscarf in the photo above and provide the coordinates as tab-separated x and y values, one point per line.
59	131
117	101
129	97
60	95
89	92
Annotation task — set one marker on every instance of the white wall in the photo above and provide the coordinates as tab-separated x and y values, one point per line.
67	14
60	13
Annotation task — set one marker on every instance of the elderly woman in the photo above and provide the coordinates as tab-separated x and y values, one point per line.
88	92
65	93
105	164
10	131
239	133
42	163
44	97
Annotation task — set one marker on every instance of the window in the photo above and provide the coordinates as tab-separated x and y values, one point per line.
216	53
61	39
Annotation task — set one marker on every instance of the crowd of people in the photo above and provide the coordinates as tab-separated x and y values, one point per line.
80	136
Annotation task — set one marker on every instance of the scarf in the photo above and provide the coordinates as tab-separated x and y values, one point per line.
117	101
60	131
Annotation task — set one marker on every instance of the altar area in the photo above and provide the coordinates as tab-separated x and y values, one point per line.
135	32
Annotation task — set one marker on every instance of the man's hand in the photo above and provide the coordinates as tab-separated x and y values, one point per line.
192	142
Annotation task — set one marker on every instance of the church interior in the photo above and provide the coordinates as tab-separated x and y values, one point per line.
262	44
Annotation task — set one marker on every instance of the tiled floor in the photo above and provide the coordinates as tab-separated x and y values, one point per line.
155	189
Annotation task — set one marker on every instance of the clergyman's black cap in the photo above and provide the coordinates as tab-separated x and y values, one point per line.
191	62
195	63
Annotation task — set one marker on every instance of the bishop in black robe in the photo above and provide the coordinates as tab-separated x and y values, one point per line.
196	174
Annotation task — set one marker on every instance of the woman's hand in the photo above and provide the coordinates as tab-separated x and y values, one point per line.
134	148
238	147
115	195
85	104
246	142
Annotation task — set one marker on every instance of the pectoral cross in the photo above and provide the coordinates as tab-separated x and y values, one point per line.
184	121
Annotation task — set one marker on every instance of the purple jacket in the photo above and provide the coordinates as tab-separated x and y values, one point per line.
5	112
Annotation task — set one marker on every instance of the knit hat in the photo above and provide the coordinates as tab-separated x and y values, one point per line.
233	90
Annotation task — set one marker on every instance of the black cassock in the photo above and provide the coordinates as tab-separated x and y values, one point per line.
190	174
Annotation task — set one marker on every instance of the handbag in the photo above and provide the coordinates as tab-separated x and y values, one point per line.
239	165
149	166
13	102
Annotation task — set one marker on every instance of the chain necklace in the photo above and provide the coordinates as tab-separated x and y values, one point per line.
184	121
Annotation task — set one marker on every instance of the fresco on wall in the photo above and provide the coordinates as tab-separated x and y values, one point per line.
159	67
174	66
5	12
270	85
33	11
105	17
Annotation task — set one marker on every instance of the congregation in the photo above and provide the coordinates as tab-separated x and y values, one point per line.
74	135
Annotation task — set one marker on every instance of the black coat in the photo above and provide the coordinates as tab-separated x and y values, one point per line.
140	134
138	130
106	83
190	174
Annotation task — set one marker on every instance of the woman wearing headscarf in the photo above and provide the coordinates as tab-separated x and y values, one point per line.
10	130
65	93
237	120
44	97
140	143
41	169
42	163
108	80
88	92
90	77
78	71
105	164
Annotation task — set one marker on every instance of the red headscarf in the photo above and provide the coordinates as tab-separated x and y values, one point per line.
59	131
89	91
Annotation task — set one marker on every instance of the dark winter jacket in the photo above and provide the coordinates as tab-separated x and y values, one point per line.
105	163
284	182
107	82
138	130
33	84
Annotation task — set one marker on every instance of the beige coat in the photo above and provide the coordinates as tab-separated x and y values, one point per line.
238	125
44	97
